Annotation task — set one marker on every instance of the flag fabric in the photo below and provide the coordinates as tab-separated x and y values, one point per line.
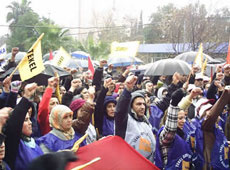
116	154
228	56
90	65
2	51
51	55
125	49
32	64
62	58
199	57
204	66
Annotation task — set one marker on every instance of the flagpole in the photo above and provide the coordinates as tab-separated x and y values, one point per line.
41	36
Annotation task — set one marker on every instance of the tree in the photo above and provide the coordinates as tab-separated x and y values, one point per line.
96	49
22	35
188	27
17	10
26	26
54	36
157	30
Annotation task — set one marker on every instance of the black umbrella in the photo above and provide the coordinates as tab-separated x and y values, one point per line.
189	57
168	67
40	79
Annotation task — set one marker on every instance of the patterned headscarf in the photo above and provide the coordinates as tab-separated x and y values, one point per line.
57	115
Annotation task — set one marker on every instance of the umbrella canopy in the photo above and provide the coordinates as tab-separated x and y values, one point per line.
168	67
116	154
47	55
80	55
18	56
189	57
40	79
124	61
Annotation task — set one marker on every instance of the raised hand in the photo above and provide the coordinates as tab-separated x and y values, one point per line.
195	92
29	90
91	91
130	82
4	115
53	82
6	84
107	82
227	70
176	78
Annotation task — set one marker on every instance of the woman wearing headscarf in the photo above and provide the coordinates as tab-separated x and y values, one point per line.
62	136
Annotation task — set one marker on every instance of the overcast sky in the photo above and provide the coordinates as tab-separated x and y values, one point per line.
65	12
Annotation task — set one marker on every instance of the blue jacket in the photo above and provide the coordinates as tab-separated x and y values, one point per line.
155	117
54	143
26	154
220	151
177	158
108	126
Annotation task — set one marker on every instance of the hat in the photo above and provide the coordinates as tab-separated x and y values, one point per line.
161	91
109	99
190	87
206	78
201	106
136	94
199	76
76	104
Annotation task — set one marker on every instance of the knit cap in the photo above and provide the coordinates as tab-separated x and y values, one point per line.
76	104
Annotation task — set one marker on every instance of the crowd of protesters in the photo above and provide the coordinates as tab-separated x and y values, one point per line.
176	122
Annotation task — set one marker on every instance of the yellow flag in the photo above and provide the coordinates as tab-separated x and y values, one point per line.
125	49
62	58
32	64
199	57
204	66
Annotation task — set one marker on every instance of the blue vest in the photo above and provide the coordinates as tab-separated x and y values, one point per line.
220	151
179	154
108	127
156	115
189	137
223	120
55	144
25	155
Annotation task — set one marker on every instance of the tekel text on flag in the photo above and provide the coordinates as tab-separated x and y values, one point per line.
62	58
32	64
124	49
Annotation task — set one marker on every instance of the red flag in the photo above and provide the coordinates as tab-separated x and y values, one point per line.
114	152
51	55
90	65
228	56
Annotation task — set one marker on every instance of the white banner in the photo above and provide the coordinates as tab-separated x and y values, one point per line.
2	51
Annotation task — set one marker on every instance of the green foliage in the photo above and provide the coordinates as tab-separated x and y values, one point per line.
97	49
22	36
26	26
